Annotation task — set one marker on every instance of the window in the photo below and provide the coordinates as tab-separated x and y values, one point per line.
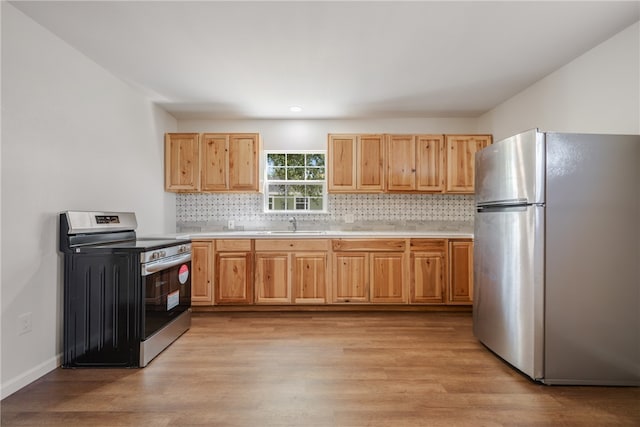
295	181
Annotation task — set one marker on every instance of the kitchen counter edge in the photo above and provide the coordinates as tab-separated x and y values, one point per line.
330	234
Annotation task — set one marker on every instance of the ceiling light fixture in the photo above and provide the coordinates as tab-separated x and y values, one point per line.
295	109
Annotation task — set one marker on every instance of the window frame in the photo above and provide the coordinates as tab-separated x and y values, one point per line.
268	201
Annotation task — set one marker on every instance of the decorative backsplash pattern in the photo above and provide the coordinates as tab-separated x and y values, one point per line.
247	208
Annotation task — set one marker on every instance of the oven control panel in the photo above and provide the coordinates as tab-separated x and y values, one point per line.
170	251
107	219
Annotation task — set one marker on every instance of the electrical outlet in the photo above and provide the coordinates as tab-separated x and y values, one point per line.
24	323
231	224
348	218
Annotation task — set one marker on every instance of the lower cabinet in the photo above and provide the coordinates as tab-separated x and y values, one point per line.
460	272
369	270
272	279
350	277
387	277
428	271
321	271
310	272
202	266
233	272
291	271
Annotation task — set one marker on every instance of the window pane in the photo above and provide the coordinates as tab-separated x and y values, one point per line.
276	173
302	203
314	190
315	204
276	159
279	203
315	173
296	190
276	190
295	173
315	159
295	159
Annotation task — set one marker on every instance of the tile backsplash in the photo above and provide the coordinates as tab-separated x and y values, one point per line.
247	209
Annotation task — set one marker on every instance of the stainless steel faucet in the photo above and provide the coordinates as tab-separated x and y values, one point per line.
294	221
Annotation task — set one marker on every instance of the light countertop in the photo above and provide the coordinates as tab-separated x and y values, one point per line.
442	230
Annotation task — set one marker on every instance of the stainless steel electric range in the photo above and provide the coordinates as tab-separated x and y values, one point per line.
125	299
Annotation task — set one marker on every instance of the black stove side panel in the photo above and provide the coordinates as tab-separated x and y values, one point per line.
102	311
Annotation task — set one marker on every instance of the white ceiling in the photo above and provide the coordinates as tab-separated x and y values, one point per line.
240	59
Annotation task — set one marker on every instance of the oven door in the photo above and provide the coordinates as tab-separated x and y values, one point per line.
167	291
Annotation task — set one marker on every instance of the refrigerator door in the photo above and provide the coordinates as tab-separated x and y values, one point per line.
508	285
592	274
511	171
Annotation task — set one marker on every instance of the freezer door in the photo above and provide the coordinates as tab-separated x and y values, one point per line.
511	171
508	285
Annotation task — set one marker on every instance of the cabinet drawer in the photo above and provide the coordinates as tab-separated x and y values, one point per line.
234	245
387	245
291	245
428	244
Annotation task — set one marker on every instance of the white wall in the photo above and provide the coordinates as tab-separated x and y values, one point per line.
598	92
73	137
312	134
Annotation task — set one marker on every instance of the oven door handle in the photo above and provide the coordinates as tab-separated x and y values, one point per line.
153	267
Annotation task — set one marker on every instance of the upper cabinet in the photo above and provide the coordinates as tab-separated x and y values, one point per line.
214	154
182	162
223	162
355	163
230	162
415	163
461	150
397	163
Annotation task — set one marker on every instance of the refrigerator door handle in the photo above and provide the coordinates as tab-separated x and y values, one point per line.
509	202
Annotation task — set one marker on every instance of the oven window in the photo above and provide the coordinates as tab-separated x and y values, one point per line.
167	294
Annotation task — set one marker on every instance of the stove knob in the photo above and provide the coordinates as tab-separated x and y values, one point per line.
163	254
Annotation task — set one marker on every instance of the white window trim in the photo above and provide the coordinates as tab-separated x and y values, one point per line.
266	182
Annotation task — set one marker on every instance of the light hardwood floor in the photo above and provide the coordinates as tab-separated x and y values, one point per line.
318	369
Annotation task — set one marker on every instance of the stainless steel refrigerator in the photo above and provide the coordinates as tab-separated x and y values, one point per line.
557	256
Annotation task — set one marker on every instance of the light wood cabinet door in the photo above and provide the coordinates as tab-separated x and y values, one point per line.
230	162
341	155
369	163
202	261
460	272
387	277
430	163
355	163
427	277
182	162
461	150
310	278
244	162
234	279
415	163
214	155
401	163
350	277
272	284
428	271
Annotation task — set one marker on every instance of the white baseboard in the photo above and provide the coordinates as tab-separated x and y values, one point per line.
26	378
